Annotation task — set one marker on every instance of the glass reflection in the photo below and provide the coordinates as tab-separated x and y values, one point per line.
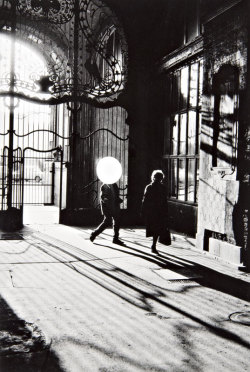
191	132
191	178
193	84
182	177
184	88
183	133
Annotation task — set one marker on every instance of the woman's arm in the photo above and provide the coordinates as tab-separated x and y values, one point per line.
146	200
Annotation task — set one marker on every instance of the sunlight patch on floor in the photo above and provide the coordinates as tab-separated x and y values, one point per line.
36	214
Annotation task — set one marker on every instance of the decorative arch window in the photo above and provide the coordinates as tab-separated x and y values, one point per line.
83	43
181	155
107	66
30	75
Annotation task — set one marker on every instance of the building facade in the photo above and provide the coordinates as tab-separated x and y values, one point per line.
156	84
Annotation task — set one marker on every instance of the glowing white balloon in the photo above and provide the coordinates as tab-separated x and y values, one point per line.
109	170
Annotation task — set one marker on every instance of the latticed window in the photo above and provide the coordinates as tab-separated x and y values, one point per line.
181	156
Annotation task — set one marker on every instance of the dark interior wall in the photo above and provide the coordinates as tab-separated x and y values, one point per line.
212	7
150	33
153	29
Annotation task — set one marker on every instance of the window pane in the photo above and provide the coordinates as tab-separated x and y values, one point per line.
191	180
181	184
184	88
199	132
167	135
197	179
200	83
194	84
183	131
191	132
175	91
173	178
174	147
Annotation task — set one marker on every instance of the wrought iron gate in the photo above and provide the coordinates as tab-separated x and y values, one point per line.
33	177
38	181
11	188
67	93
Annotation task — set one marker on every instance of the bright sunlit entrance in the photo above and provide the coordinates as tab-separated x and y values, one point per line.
30	178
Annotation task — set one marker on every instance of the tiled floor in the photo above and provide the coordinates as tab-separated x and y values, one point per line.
103	307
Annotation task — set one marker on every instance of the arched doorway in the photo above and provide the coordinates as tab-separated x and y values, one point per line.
29	135
64	72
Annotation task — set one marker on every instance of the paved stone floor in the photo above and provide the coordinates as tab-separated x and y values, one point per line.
70	305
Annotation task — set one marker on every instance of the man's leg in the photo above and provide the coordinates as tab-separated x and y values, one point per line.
107	220
116	227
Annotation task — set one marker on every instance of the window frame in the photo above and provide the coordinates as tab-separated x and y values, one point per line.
176	111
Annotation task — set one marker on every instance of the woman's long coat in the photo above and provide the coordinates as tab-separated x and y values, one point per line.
154	208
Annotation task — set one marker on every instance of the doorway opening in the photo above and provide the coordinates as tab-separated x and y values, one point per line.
31	138
41	185
38	178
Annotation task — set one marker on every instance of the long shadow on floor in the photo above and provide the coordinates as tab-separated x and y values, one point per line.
219	281
130	288
210	278
205	276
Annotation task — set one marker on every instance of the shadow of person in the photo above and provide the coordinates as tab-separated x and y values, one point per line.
163	260
23	347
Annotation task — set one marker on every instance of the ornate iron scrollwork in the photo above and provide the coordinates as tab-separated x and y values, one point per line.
83	45
99	26
52	10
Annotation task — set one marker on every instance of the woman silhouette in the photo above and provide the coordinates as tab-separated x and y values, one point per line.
154	207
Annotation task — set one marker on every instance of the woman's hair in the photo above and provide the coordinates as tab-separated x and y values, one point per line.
157	175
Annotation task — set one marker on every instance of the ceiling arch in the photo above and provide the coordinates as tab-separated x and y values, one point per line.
75	39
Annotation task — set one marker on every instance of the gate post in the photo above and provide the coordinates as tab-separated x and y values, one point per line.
11	107
12	217
72	176
72	184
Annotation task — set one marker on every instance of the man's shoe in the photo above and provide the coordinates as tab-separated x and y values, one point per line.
92	237
118	241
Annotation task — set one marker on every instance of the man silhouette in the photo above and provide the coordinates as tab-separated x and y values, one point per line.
110	207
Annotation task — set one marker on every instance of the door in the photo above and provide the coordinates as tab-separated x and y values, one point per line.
181	150
39	181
